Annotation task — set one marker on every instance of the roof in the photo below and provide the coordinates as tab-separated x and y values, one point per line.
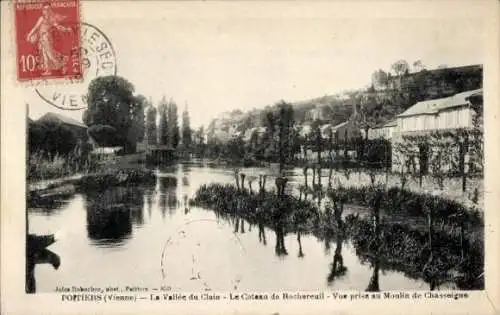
390	123
334	128
58	117
430	107
106	150
325	127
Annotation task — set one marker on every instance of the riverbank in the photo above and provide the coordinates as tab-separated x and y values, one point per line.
446	248
64	188
473	197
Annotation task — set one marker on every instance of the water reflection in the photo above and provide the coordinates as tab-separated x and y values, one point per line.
113	216
373	285
40	203
110	213
262	234
301	252
37	253
337	268
167	187
280	248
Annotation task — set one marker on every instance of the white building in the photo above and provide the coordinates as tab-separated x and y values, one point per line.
444	113
383	131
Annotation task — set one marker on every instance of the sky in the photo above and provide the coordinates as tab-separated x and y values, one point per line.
200	55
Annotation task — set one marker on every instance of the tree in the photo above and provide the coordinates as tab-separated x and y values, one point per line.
476	161
186	129
379	79
285	133
111	102
163	125
51	138
269	122
173	125
199	141
400	67
137	129
236	149
151	130
104	135
418	66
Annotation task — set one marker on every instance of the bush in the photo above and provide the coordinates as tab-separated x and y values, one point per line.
404	248
52	138
396	200
105	135
101	181
42	166
288	212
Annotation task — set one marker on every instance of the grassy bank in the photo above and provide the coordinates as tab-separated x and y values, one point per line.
287	212
447	247
97	181
43	167
441	256
397	201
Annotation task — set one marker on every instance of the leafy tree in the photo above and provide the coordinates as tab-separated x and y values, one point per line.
418	66
236	148
163	128
476	138
186	129
379	78
36	137
280	137
173	125
137	129
400	67
269	121
52	138
104	135
285	133
151	130
199	141
111	102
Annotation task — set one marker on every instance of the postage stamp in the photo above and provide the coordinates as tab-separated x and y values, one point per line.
48	39
98	59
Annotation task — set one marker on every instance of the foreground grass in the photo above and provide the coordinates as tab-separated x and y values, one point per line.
43	167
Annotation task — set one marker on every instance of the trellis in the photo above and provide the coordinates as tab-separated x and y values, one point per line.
448	151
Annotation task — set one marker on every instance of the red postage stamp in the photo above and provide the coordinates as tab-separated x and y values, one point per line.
48	39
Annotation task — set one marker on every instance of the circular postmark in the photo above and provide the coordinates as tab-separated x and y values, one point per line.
98	59
203	255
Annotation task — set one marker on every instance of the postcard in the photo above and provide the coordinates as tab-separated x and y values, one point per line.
277	157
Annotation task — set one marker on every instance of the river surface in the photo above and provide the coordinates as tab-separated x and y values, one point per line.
146	236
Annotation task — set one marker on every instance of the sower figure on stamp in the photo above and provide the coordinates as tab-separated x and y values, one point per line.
41	33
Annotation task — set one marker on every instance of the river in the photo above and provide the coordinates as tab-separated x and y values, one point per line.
147	237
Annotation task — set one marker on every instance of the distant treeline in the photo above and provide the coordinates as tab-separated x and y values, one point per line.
388	94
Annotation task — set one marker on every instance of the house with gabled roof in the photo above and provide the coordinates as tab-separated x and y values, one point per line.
77	127
384	130
445	113
436	115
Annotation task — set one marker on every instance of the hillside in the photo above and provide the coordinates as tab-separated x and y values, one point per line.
379	103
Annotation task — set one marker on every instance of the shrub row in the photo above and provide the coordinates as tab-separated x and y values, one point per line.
287	211
406	249
396	200
117	178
